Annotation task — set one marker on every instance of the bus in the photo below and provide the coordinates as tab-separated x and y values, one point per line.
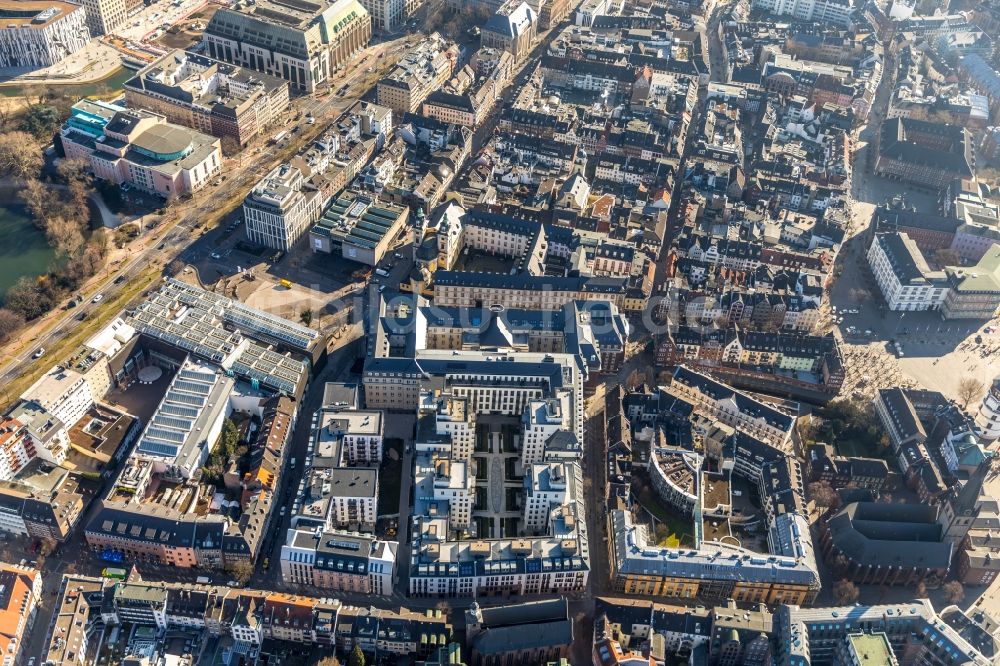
111	572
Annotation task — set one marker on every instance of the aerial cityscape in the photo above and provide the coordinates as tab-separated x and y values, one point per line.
499	332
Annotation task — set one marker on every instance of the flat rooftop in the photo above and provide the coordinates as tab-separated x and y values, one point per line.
32	14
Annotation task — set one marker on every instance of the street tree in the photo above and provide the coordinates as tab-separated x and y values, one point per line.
10	323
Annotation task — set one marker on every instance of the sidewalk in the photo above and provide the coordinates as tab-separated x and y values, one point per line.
93	62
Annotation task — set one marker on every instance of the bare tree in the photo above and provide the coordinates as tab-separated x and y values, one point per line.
20	155
65	236
860	295
230	146
947	257
824	495
241	571
10	323
76	173
845	592
35	195
175	267
969	389
953	591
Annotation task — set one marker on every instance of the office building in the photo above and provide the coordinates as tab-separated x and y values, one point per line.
105	16
209	96
357	227
281	207
39	34
303	42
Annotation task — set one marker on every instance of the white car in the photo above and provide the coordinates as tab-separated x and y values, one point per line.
97	298
38	352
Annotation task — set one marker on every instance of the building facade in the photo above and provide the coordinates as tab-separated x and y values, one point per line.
303	43
140	149
280	208
40	34
209	96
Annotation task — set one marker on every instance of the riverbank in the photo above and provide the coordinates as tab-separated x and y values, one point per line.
14	97
94	62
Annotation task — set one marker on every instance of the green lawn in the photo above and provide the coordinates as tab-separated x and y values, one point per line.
678	529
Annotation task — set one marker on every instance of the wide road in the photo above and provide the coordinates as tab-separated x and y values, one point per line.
160	247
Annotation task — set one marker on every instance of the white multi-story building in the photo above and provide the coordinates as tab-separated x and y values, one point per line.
339	561
542	419
353	437
390	15
63	393
454	485
906	281
31	432
280	208
545	485
821	11
445	424
105	16
353	496
988	418
40	34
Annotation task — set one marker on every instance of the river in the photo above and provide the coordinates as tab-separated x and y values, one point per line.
23	248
